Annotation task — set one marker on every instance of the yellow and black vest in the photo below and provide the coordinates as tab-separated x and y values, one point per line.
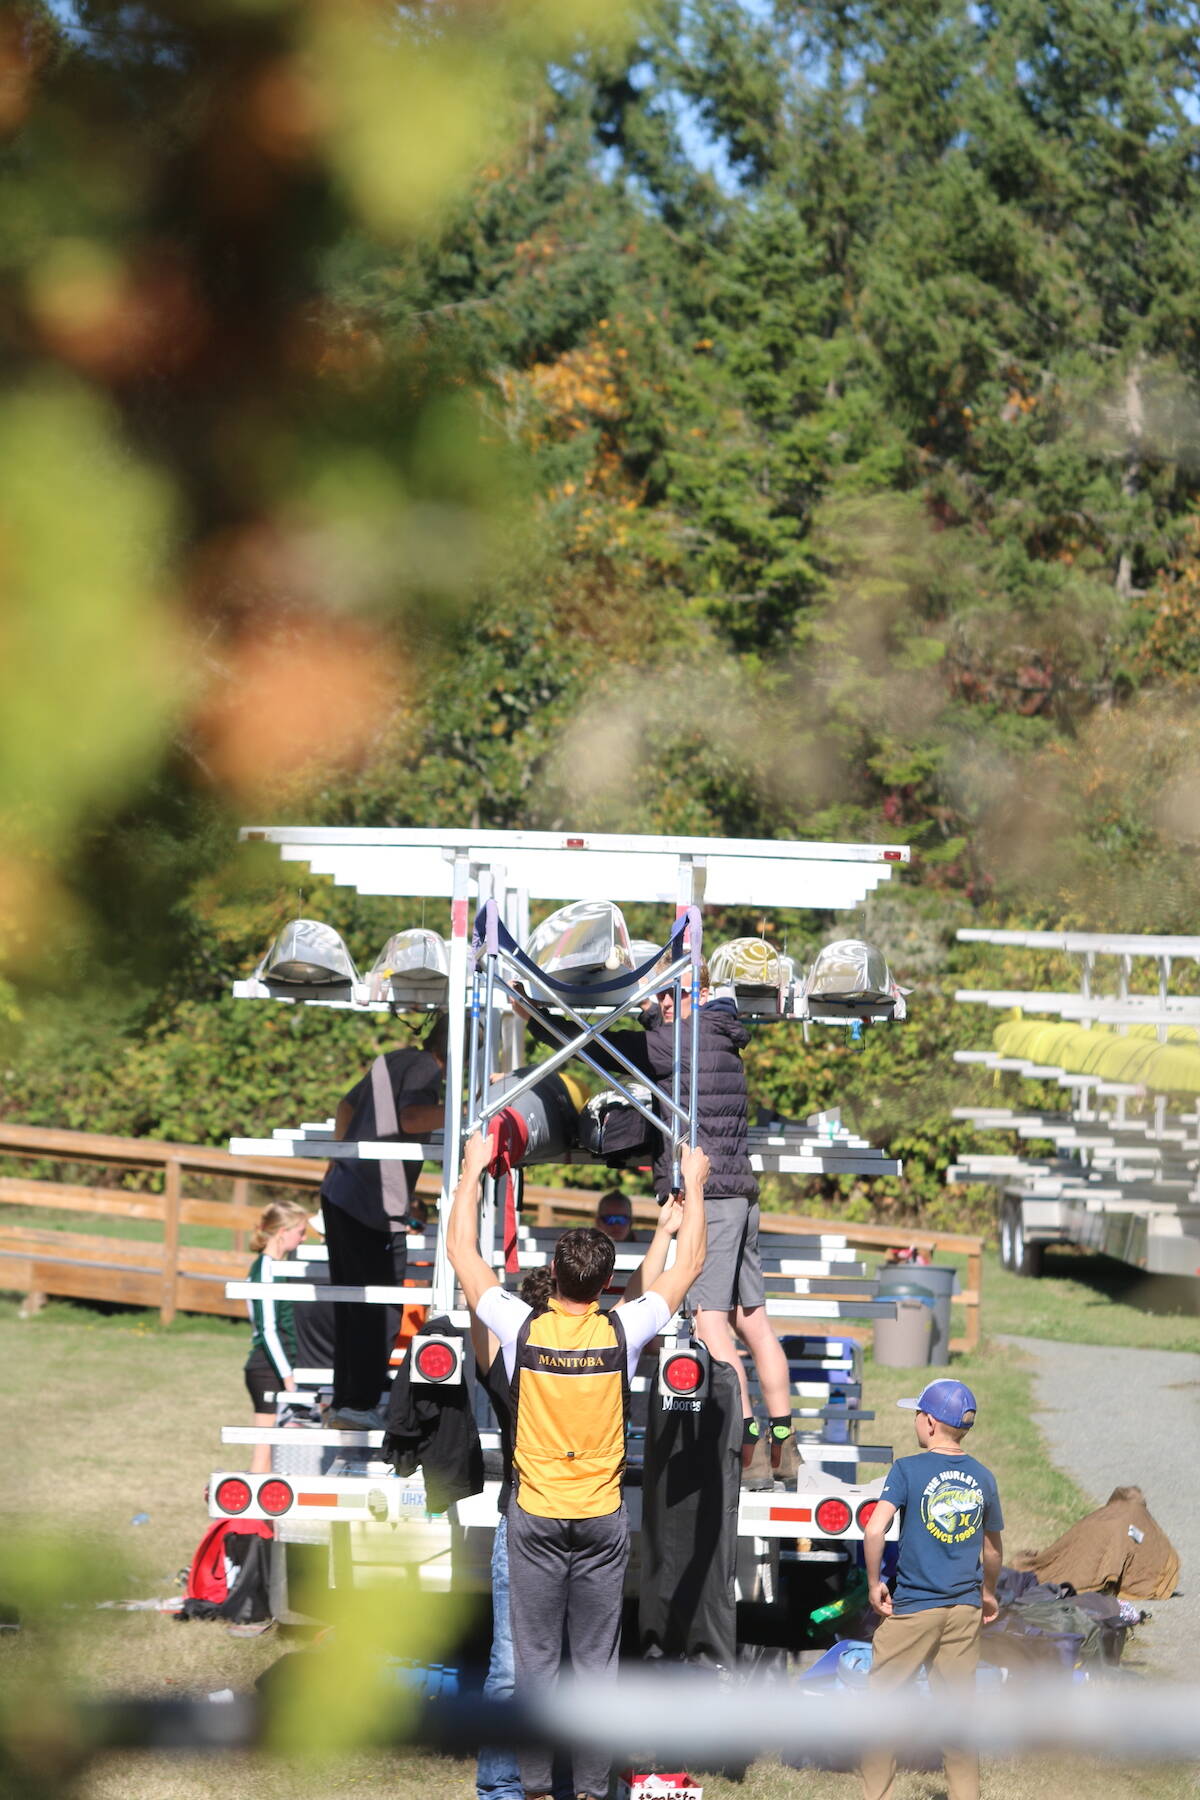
570	1405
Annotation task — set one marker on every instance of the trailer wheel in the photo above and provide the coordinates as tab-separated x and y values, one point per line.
1026	1257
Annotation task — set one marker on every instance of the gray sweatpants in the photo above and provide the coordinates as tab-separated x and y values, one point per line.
566	1572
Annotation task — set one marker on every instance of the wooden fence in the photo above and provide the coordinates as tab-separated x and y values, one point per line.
167	1273
162	1271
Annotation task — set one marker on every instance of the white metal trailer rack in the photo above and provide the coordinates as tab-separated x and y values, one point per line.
1124	1175
329	1486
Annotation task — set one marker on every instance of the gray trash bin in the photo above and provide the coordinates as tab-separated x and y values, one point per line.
904	1342
939	1283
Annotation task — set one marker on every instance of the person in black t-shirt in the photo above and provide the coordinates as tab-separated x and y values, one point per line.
366	1204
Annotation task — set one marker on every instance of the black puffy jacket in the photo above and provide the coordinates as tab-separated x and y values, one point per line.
723	1104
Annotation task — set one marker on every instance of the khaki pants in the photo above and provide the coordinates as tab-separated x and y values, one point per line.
946	1640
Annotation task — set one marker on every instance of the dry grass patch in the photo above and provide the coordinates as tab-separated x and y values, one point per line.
105	1418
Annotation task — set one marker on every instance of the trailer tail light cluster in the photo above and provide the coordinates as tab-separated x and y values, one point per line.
275	1497
684	1374
436	1361
832	1517
808	1516
233	1494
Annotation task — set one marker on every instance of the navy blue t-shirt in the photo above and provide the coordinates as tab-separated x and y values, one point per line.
946	1503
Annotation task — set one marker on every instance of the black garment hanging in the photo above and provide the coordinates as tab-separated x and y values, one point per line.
691	1485
434	1428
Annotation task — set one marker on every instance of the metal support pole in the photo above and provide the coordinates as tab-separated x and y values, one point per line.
1124	970
460	910
1085	982
1164	983
693	1093
512	1029
693	875
677	1082
489	1034
473	1078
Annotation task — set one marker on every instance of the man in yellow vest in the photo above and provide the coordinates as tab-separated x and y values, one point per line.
570	1368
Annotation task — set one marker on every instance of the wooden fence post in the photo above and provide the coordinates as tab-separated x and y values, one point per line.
241	1197
975	1310
172	1189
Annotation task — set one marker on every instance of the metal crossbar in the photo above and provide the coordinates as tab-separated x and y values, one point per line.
495	948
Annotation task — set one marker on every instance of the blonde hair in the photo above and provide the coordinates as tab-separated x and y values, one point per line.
277	1217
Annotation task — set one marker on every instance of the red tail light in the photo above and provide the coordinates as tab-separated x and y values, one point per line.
865	1511
833	1517
684	1373
436	1362
233	1494
274	1497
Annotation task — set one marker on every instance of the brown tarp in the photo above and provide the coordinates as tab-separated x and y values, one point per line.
1117	1549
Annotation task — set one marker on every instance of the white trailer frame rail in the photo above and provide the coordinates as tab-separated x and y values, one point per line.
494	876
1138	1202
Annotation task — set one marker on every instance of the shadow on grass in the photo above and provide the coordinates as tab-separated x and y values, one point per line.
64	1310
1166	1295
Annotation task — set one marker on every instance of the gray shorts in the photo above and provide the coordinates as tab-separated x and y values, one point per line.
732	1272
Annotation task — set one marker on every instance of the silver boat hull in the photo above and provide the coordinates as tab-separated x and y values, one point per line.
584	943
307	953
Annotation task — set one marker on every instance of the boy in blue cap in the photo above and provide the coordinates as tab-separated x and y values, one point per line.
945	1585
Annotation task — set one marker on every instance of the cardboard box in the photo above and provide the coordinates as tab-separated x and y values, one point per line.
657	1786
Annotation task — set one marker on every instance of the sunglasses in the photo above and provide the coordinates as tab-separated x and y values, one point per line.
615	1219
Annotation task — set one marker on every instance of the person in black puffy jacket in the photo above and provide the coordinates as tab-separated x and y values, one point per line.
729	1295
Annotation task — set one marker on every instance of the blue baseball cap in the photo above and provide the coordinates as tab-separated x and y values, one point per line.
949	1402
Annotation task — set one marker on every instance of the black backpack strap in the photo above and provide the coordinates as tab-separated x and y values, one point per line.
614	1319
515	1388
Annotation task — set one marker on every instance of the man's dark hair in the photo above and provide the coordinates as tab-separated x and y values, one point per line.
583	1263
437	1038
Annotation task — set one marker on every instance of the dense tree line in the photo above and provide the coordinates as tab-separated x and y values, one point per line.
790	426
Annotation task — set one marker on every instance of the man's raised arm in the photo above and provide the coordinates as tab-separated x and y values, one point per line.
692	1241
462	1233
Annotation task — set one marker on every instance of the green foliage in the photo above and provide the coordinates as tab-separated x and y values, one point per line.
848	492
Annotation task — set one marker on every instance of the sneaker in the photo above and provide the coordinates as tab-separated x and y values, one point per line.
355	1418
756	1470
298	1413
785	1458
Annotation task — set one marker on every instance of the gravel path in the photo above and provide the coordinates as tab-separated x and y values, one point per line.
1115	1417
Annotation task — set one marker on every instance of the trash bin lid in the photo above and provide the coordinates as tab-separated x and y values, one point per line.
908	1290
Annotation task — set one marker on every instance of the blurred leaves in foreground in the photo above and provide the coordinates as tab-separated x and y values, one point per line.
235	517
321	1697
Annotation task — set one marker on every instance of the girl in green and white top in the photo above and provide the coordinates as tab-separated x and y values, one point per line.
273	1342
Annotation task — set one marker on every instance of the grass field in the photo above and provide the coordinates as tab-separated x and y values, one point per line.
1083	1299
108	1417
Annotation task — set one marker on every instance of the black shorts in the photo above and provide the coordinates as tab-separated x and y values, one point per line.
262	1378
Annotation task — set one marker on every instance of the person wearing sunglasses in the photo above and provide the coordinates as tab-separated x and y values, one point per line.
614	1217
